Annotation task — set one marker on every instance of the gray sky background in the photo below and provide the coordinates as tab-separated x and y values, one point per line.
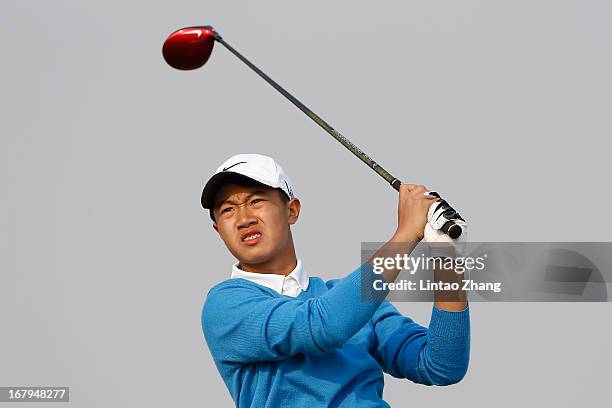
106	255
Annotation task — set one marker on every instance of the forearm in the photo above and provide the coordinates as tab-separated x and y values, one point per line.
399	244
445	358
451	300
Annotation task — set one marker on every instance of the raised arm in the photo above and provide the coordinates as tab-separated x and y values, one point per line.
438	355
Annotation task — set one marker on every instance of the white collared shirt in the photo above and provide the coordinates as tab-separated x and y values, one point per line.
290	285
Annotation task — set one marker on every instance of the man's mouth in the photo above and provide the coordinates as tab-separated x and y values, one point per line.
251	237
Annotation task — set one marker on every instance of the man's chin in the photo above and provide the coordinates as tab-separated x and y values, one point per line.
253	258
252	261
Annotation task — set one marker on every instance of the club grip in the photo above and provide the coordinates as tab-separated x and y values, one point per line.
452	230
396	183
449	228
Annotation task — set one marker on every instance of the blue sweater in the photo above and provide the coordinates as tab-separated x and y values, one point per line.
326	347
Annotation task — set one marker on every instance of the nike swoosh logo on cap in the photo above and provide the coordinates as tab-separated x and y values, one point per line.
229	167
288	188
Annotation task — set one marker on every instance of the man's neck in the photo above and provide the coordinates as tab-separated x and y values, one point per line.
275	266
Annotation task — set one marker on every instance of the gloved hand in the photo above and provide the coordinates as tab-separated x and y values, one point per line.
440	212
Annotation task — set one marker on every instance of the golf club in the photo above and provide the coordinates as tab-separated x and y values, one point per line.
190	48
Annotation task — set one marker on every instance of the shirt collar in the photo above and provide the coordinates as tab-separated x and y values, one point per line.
271	280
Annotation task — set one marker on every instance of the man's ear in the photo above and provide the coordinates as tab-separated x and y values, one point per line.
215	226
294	207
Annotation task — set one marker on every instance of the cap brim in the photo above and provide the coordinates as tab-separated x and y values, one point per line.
217	181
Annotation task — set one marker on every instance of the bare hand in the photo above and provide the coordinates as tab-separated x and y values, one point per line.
412	212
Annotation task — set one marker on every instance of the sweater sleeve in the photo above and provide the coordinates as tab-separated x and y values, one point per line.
243	323
438	355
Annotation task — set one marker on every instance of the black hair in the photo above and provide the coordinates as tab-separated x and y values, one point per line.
246	182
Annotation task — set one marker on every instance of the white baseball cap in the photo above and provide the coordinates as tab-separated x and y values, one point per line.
257	167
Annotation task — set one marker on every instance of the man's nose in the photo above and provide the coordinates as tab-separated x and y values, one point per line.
245	216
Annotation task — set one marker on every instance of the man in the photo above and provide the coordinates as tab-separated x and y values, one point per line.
280	338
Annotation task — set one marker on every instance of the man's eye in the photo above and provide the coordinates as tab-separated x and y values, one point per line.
255	201
226	210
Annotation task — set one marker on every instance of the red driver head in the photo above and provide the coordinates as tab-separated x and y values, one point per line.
189	48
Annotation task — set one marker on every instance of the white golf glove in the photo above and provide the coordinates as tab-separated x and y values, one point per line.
440	212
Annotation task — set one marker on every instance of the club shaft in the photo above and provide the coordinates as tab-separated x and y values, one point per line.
326	126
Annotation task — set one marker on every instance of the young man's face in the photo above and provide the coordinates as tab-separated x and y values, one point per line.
256	212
